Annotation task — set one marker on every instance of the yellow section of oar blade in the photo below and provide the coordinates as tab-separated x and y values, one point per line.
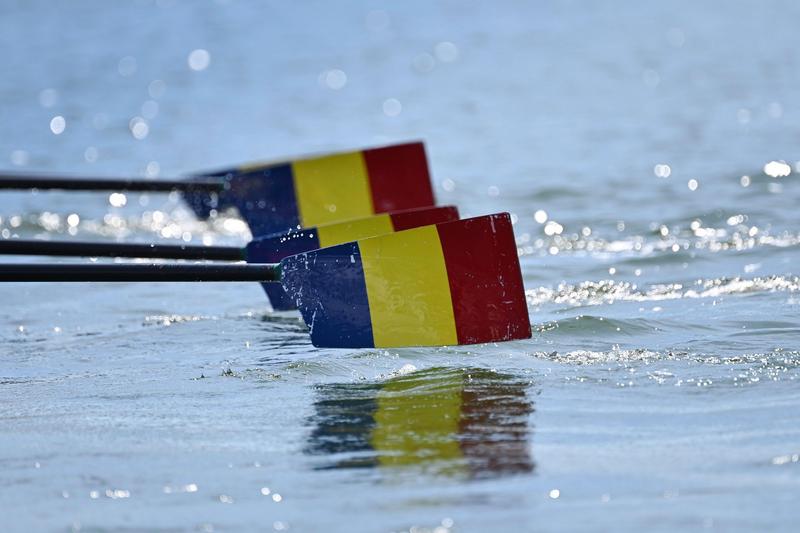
360	228
332	188
408	289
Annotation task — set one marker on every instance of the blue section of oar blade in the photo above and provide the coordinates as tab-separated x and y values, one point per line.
265	199
329	289
204	202
273	248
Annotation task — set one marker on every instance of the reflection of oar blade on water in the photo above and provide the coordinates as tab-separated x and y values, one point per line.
453	283
267	249
471	422
279	196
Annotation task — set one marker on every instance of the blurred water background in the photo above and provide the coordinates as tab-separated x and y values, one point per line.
647	152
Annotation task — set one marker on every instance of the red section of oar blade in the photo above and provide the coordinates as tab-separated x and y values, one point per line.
399	177
485	279
424	216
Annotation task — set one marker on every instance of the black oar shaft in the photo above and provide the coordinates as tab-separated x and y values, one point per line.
138	272
116	249
44	182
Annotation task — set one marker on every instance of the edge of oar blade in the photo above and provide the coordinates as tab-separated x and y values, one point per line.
448	284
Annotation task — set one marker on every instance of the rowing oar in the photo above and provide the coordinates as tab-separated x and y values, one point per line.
446	284
268	249
278	196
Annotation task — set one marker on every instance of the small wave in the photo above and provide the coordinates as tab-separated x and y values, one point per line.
629	367
609	291
662	242
169	320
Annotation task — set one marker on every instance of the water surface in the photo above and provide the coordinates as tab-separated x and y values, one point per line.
629	141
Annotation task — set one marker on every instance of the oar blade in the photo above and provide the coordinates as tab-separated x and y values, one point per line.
273	248
318	190
449	284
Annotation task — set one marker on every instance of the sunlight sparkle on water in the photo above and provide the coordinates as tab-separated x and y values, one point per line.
152	169
139	128
117	199
662	171
377	20
58	124
446	52
392	107
19	158
199	59
334	79
156	88
91	154
777	169
48	97
127	66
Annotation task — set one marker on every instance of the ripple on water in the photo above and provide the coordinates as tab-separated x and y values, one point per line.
640	367
609	291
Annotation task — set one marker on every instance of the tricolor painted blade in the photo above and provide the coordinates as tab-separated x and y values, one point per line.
273	248
324	189
449	284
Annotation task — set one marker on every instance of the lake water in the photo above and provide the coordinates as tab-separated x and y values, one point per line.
632	142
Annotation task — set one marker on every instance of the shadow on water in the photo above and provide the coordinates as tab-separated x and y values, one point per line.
467	423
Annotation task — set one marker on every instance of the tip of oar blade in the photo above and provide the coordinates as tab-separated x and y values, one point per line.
448	284
204	203
273	248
